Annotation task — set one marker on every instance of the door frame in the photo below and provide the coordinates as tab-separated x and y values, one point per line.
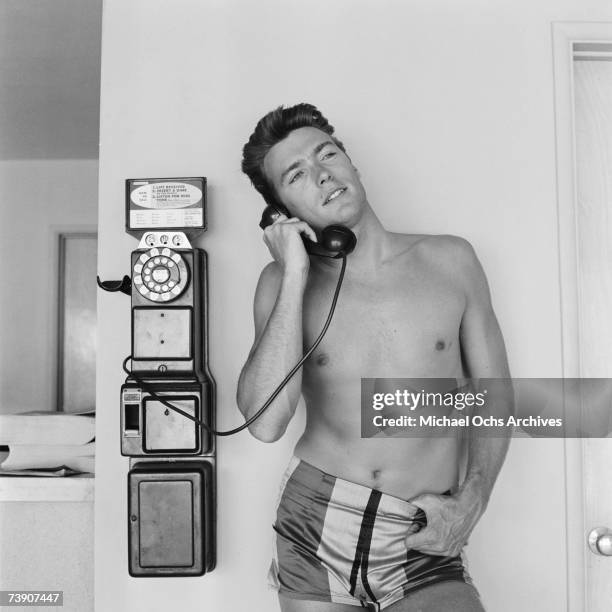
564	35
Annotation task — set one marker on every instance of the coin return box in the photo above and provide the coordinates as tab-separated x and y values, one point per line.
168	431
148	427
171	519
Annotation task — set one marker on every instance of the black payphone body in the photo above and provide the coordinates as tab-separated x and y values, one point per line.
172	476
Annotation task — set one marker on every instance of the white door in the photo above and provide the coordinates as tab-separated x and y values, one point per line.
593	128
587	285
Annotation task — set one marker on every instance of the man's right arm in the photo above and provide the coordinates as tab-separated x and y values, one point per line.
278	342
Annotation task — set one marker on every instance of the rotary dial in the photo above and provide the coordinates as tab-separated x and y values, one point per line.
160	275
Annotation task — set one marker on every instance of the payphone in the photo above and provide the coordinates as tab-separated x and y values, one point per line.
171	481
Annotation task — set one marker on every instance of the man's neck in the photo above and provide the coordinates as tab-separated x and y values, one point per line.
372	246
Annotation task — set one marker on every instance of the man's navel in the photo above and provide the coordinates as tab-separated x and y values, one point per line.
441	345
322	359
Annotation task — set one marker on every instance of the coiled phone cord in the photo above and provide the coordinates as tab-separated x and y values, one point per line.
275	393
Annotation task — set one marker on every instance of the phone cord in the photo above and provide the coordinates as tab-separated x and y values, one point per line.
275	393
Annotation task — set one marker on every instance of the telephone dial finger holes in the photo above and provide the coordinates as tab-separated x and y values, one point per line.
160	276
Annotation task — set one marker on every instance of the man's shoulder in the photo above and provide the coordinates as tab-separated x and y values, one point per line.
439	248
265	295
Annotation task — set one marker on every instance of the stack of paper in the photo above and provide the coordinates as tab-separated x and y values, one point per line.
46	441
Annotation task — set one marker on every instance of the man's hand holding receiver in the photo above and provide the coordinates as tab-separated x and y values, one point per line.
284	240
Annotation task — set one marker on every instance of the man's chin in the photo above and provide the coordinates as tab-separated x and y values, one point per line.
347	215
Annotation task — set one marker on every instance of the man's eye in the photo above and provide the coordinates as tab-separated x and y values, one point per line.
295	177
329	154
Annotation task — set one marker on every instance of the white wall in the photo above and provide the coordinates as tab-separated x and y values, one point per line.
38	200
447	110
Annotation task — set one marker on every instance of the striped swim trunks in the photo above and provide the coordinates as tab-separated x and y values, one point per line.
338	541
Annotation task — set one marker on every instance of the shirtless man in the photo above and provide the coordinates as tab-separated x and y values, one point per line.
411	306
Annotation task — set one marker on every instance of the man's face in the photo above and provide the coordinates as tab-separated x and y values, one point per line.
315	179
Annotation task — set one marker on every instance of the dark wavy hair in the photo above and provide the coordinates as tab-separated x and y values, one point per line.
270	130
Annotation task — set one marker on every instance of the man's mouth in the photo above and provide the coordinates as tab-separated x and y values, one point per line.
334	194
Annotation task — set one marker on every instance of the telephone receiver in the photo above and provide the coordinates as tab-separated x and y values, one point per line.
336	240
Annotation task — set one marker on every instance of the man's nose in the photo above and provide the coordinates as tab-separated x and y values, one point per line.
323	175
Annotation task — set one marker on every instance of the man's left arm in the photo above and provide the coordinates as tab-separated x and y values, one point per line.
450	520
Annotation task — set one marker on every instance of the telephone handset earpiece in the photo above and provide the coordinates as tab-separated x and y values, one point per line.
336	240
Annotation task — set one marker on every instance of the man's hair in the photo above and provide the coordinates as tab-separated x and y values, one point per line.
270	130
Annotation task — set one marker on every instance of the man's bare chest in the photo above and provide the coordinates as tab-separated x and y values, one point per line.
399	323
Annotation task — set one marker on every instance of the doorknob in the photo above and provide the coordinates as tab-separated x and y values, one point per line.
600	541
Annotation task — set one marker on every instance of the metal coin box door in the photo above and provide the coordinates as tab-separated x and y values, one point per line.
171	482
